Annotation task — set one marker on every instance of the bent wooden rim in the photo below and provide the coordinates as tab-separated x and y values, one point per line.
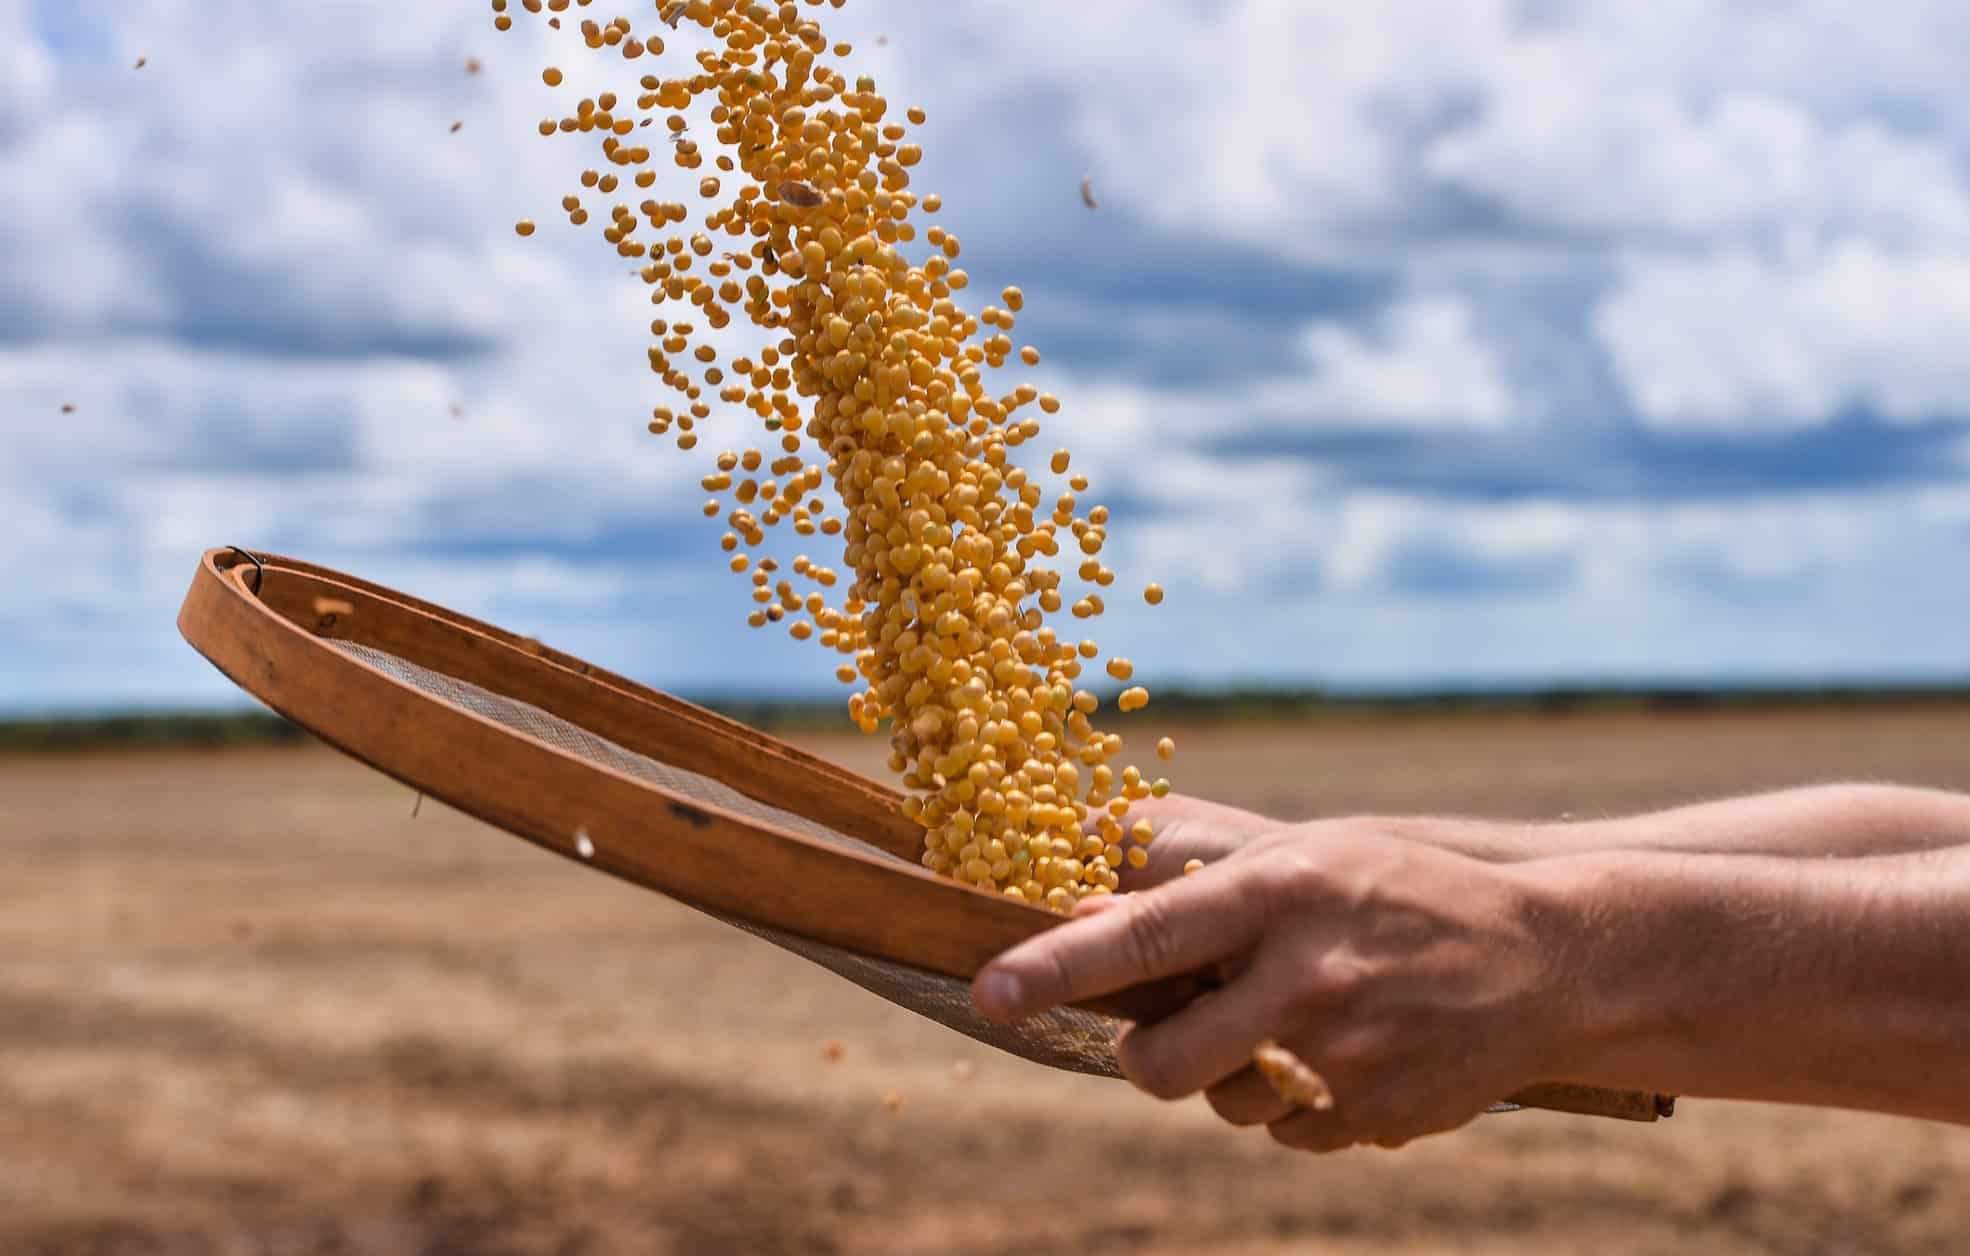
266	627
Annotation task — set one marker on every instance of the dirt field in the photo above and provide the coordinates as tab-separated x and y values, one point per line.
249	1005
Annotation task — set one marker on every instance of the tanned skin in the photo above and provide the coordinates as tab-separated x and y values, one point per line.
1810	946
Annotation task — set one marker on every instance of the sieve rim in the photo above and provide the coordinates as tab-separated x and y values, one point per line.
267	641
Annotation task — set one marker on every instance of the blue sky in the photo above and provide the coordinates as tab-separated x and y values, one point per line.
1429	341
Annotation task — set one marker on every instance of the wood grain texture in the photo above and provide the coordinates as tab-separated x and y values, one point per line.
699	853
267	635
645	720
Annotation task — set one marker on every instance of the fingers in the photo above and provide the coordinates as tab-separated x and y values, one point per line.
1313	1131
1209	829
1177	928
1304	1130
1183	807
1247	1098
1178	841
1214	1037
1186	829
1230	821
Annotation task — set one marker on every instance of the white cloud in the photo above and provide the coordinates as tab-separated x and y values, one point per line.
1311	128
1736	340
27	70
1294	115
264	270
1232	530
1276	579
1758	164
1424	365
1557	149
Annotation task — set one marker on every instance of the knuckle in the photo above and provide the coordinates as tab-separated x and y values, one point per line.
1296	876
1061	968
1148	1069
1403	1124
1227	1108
1358	1052
1151	1081
1319	998
1307	1133
1298	1009
1148	936
1362	1074
1238	1103
1342	978
1299	867
1287	1133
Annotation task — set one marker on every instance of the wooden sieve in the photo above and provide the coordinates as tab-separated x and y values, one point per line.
661	793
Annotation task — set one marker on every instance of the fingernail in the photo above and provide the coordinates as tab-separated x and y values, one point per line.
999	993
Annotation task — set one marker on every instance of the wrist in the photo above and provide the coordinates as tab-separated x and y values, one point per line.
1823	981
1622	931
1488	841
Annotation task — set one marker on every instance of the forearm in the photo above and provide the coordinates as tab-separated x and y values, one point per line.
1823	820
1832	982
1813	822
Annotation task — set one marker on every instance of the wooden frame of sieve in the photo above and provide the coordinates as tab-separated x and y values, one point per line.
266	622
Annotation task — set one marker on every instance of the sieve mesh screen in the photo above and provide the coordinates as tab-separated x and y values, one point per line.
1077	1041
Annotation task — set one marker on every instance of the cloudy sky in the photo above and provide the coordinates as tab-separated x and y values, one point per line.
1415	342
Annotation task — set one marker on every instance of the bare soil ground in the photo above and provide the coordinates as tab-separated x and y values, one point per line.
249	1005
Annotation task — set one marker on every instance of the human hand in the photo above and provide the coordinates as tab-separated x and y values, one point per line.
1421	984
1191	828
1186	829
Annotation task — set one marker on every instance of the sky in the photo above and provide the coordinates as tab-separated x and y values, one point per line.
1417	343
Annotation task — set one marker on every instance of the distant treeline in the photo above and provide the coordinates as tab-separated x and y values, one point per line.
1294	705
1278	705
216	730
175	730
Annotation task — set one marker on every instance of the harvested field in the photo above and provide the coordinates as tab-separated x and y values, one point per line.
249	1004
